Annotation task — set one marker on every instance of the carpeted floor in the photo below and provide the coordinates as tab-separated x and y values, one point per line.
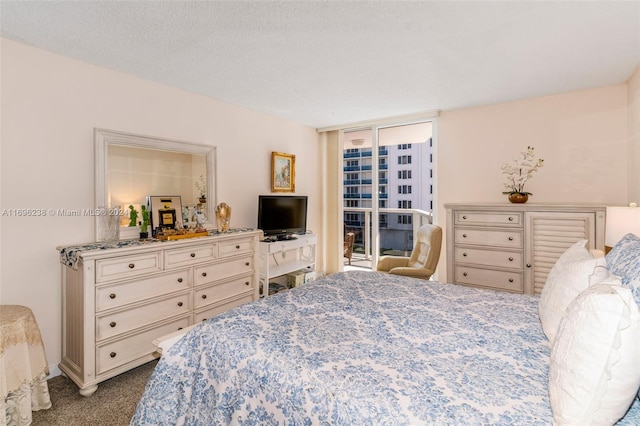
112	404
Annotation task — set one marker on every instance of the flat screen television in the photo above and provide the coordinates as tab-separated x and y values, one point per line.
281	217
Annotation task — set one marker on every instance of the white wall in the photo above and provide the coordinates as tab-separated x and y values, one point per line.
633	96
582	137
50	105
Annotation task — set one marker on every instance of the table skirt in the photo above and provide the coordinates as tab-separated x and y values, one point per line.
23	366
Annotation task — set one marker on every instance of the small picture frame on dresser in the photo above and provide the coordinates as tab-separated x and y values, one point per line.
166	212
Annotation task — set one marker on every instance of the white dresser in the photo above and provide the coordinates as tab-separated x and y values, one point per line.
512	247
117	300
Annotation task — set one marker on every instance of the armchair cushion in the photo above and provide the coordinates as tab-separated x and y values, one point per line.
412	272
387	263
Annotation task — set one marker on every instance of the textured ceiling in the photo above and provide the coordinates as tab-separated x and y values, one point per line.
329	63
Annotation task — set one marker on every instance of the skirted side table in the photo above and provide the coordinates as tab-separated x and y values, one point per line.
23	366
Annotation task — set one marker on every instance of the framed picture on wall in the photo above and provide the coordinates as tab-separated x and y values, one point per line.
283	172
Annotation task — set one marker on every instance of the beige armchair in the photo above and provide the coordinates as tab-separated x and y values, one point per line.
424	257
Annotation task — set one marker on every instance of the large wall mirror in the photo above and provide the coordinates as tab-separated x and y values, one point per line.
130	167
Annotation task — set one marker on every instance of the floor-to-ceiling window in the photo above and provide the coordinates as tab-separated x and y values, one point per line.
385	212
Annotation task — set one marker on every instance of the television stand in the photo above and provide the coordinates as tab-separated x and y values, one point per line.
281	257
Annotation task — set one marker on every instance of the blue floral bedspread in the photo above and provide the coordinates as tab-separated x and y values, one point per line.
360	348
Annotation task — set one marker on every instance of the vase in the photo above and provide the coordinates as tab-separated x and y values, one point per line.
518	197
109	224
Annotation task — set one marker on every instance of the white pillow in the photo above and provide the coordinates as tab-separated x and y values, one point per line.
566	280
594	374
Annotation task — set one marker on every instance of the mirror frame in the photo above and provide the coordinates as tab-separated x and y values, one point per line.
104	138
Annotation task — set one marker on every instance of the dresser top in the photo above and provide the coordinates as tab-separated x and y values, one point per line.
72	254
551	207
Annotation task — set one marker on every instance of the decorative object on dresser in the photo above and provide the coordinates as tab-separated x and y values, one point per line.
283	172
108	224
163	213
133	216
223	217
144	226
519	173
201	186
513	247
118	298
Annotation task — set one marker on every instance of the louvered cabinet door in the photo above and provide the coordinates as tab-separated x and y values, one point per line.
547	236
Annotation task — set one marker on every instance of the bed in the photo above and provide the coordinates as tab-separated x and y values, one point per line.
361	348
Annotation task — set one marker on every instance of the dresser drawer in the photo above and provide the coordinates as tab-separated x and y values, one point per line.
117	353
116	295
217	271
120	322
231	248
489	218
189	256
502	280
220	291
505	259
498	238
207	313
127	266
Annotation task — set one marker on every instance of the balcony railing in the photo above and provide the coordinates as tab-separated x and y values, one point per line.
418	218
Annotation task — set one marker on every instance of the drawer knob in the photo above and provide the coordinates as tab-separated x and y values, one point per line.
464	274
204	296
112	354
112	324
238	247
247	263
192	255
204	319
179	303
511	259
112	296
247	283
179	328
204	274
510	238
528	265
510	280
464	254
464	217
179	280
510	219
131	266
464	235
